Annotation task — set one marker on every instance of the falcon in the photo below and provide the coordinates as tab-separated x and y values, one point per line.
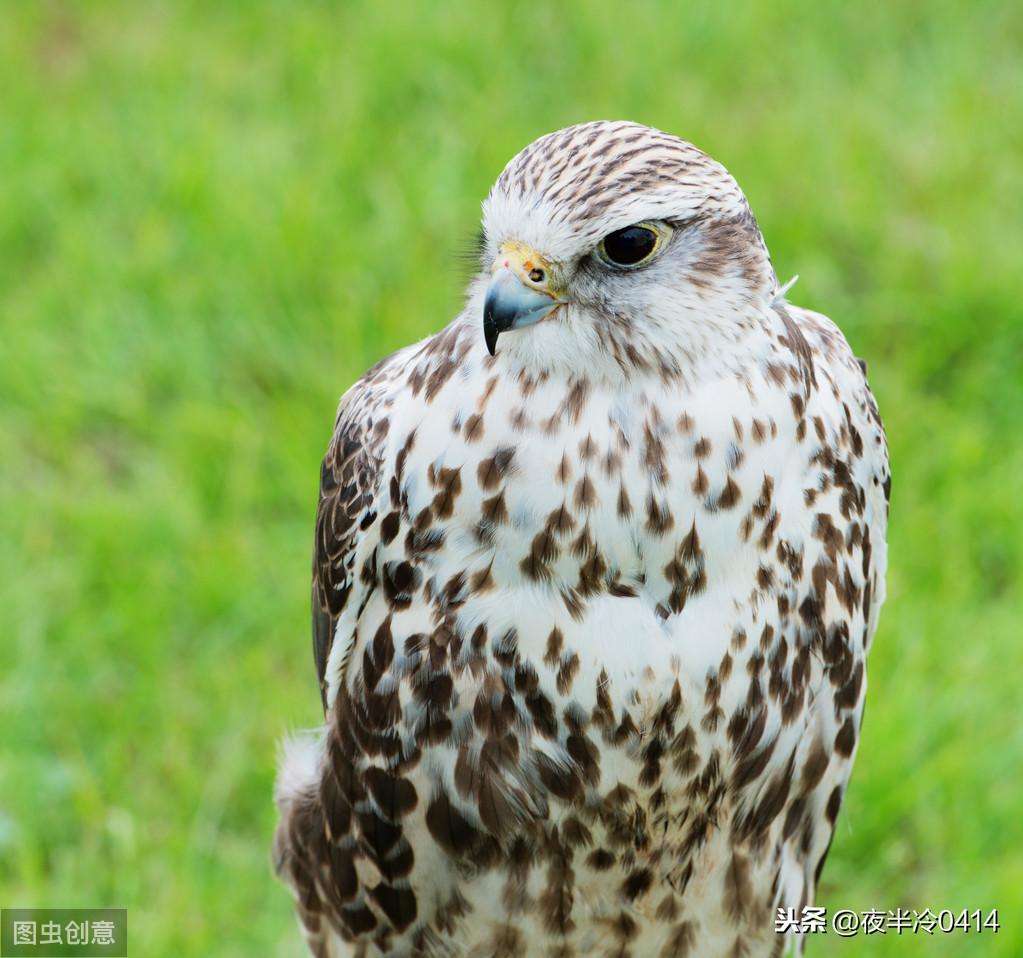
596	571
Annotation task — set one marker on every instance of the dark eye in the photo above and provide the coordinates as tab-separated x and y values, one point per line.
629	246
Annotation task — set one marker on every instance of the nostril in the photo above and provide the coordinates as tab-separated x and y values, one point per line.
537	275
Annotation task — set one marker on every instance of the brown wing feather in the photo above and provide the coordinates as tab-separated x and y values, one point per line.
315	811
349	484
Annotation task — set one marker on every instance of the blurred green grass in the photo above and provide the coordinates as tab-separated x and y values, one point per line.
214	217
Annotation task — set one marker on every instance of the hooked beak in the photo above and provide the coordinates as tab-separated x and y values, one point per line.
522	292
511	304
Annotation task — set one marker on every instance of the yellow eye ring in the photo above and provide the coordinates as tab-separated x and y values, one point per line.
631	246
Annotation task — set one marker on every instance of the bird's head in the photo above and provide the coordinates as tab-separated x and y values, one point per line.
618	239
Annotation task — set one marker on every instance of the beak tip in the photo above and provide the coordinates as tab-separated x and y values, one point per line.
490	333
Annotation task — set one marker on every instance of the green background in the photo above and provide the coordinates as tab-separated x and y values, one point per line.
213	217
